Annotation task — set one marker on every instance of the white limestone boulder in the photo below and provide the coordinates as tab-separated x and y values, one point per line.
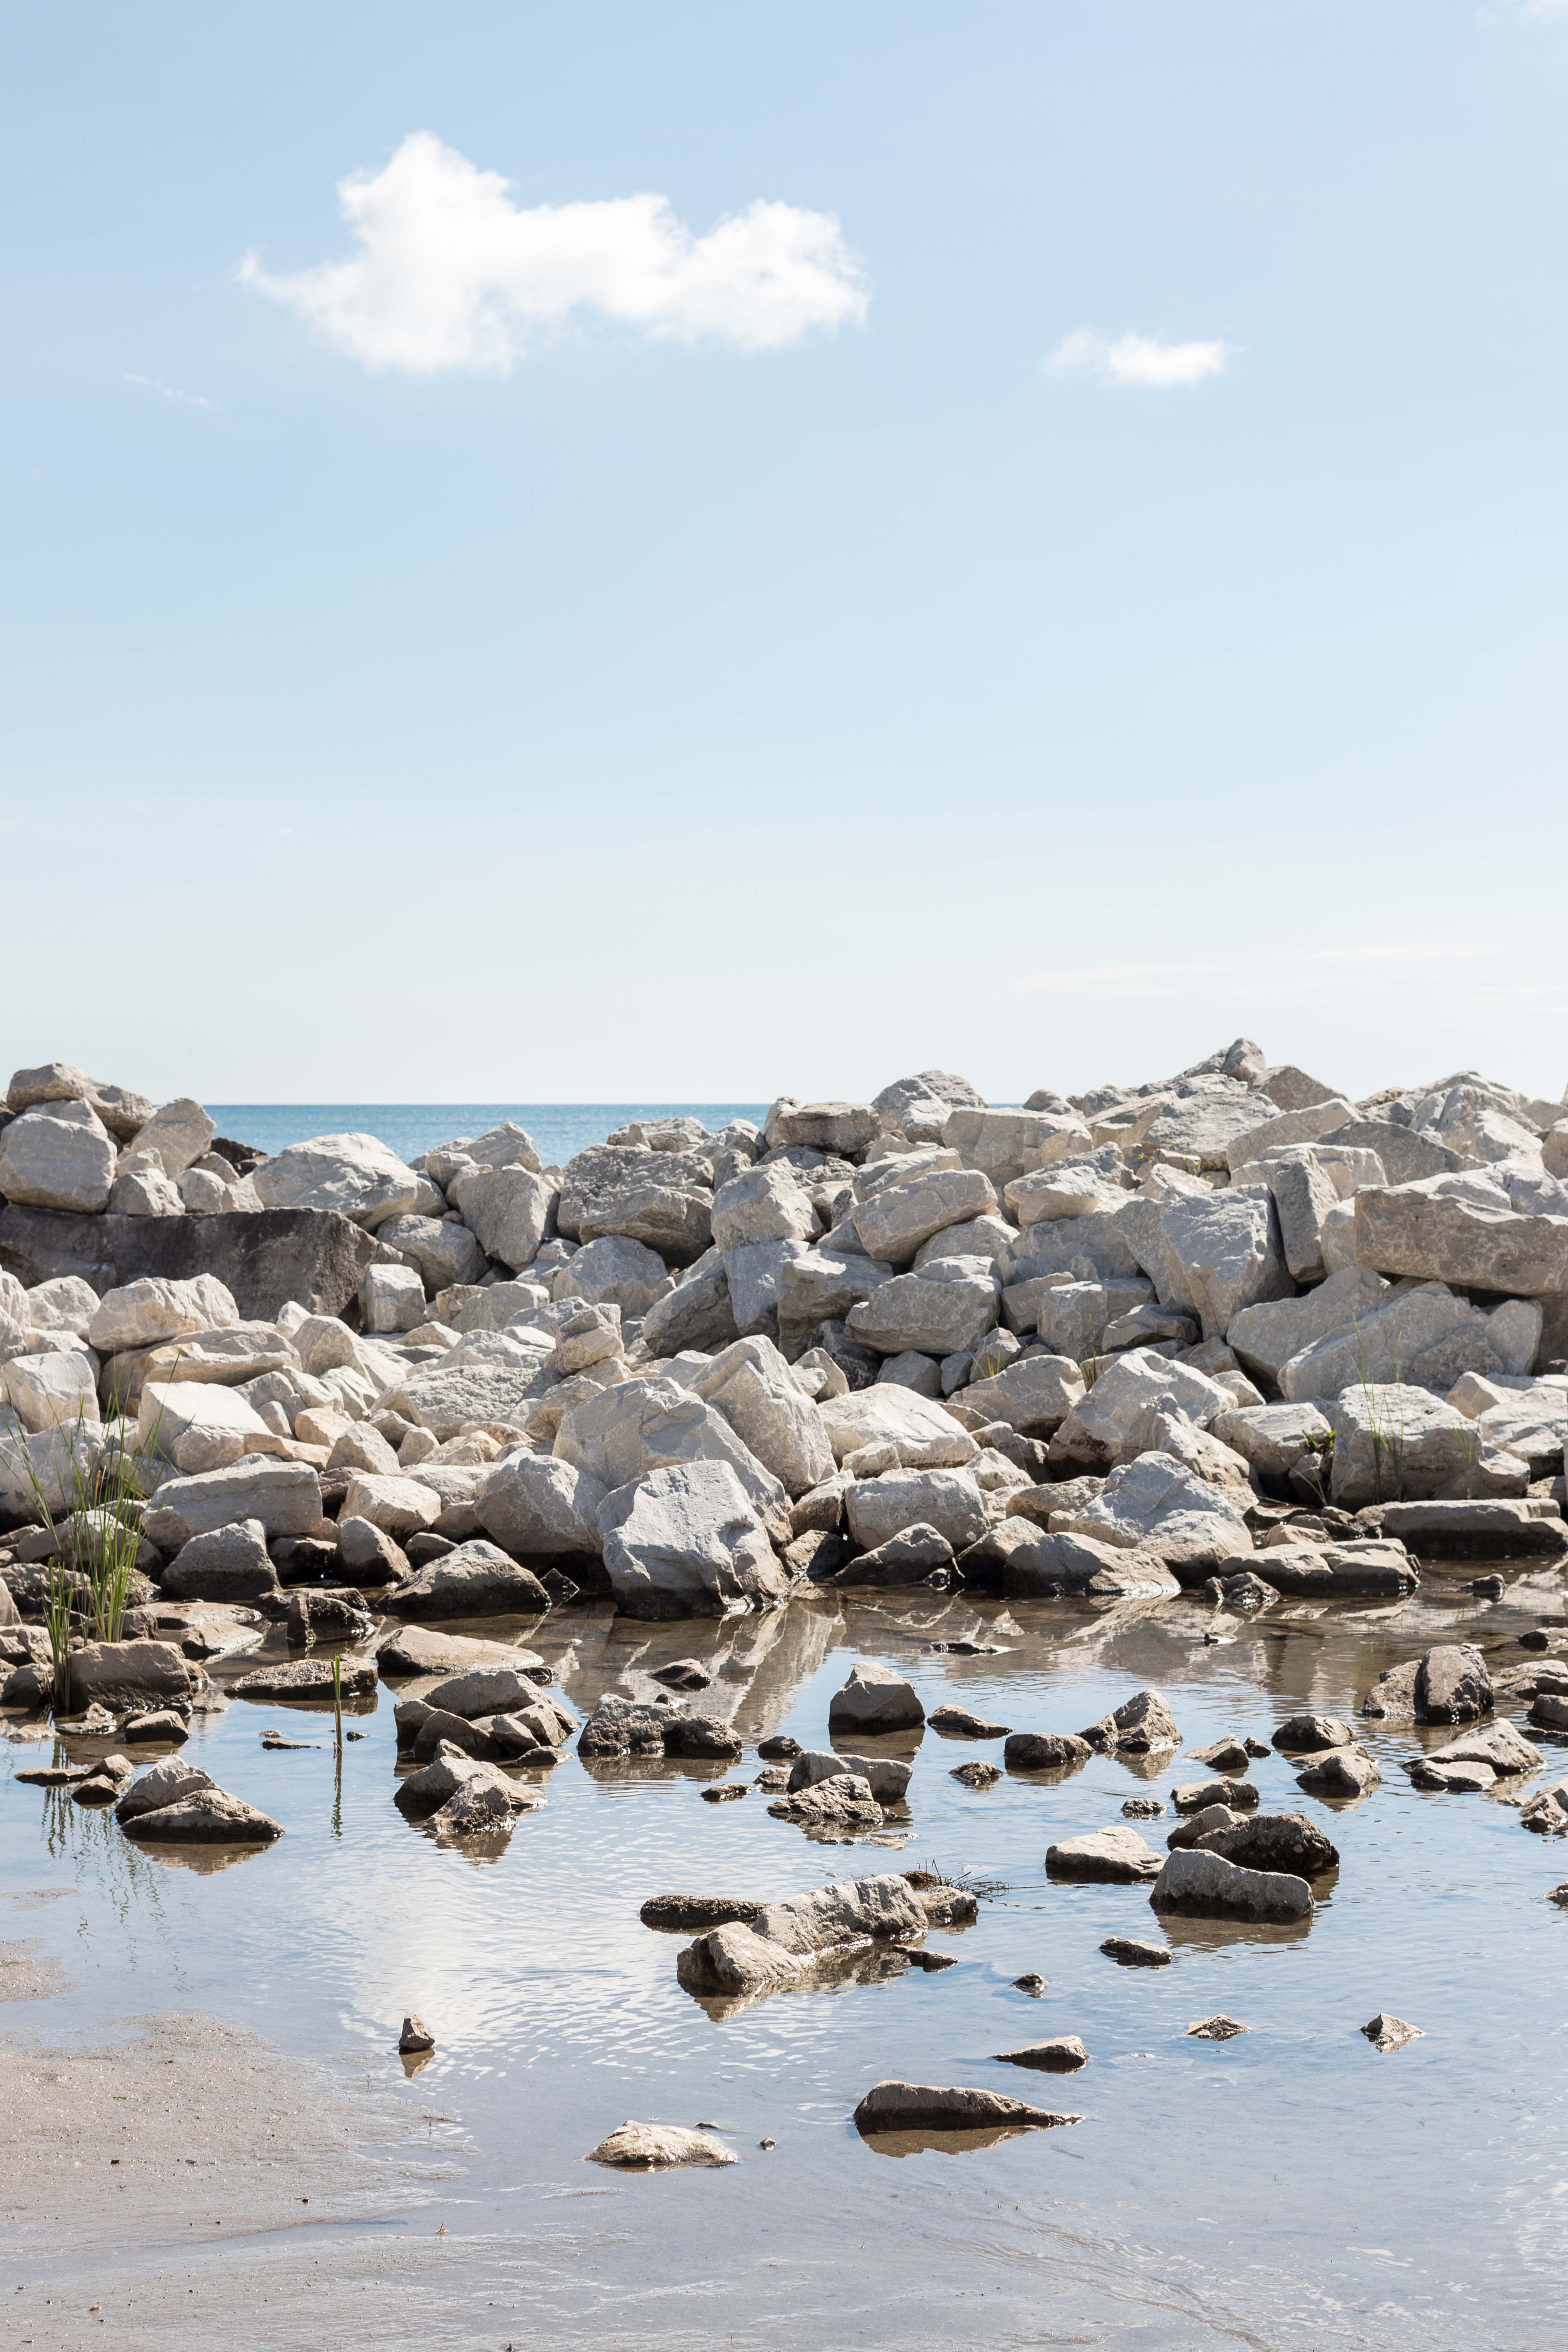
58	1156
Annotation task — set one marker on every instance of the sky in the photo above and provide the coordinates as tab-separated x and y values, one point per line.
691	554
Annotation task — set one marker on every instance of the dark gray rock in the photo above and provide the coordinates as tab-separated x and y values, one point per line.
1276	1841
264	1258
477	1580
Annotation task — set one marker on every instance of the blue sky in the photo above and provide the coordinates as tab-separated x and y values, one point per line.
493	672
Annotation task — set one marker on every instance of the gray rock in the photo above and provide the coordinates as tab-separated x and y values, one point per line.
1385	2032
1273	1437
262	1260
1064	2055
164	1783
948	1500
620	1434
1130	1952
1033	1396
1286	1842
913	1556
141	1673
844	1802
1046	1752
477	1580
820	1286
208	1816
684	1541
1155	1504
285	1497
228	1564
57	1156
1417	1229
309	1679
875	1699
537	1504
1116	1855
1207	1885
1143	1724
1396	1443
622	1726
656	2148
1228	1249
1312	1733
1267	1336
894	1221
892	2107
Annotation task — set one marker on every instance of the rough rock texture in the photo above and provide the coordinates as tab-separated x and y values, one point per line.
262	1260
685	1541
656	2148
477	1580
1207	1885
875	1699
1116	1855
920	2107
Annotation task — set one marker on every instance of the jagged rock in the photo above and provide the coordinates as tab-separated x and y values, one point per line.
921	1434
684	1541
164	1783
646	1424
1130	1952
534	1503
1046	1752
1341	1772
1312	1732
285	1497
356	1176
843	1802
1207	1885
1385	2032
477	1580
227	1564
1422	1229
306	1678
1286	1842
749	1384
1447	1685
1141	1725
1156	1504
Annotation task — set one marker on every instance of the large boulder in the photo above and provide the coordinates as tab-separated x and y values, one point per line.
1286	1842
1228	1250
143	1313
1117	1856
58	1156
442	1248
1425	1337
613	1272
697	1313
285	1496
208	1816
1033	1396
923	1436
444	1397
506	1208
893	1221
1111	1420
1398	1443
198	1424
684	1541
133	1674
1267	1336
750	1384
821	1285
1143	1725
399	1507
263	1260
761	1205
947	1500
1273	1437
227	1564
477	1580
660	1197
58	1386
1006	1144
650	1424
940	1312
122	1113
1428	1230
356	1176
538	1504
1156	1504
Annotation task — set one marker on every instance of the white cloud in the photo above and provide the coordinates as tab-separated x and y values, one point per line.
1159	979
450	272
170	392
1138	358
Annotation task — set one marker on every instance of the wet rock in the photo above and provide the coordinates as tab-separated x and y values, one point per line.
1064	2055
485	1690
1450	1780
1340	1773
164	1783
1046	1752
875	1700
1141	1725
1447	1685
958	1723
133	1674
733	1963
1130	1952
844	1802
697	1914
105	1781
894	2106
1312	1733
778	1747
1228	1755
1196	1826
1207	1886
1142	1809
416	2035
1280	1842
942	1904
306	1678
683	1674
1033	1984
1497	1744
207	1816
477	1580
1546	1812
977	1775
482	1809
1116	1855
723	1792
622	1726
1194	1795
1244	1592
162	1724
887	1777
1388	2033
656	2148
1219	2028
916	1555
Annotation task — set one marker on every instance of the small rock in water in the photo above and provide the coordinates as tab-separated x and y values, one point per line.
780	1748
54	1776
695	1915
965	1649
767	2143
773	1779
1388	2033
894	2106
1219	2028
723	1792
1451	1779
932	1961
1142	1809
977	1775
1228	1755
684	1674
1064	2055
1256	1747
281	1740
1032	1984
416	2035
1557	1893
1535	1637
1487	1588
1133	1952
653	2147
958	1723
162	1724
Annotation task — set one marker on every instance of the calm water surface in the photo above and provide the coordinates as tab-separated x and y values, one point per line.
559	1129
1291	2190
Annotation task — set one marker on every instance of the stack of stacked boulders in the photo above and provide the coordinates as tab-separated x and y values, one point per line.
1218	1332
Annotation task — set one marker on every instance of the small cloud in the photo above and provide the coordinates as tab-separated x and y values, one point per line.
1137	359
170	392
451	272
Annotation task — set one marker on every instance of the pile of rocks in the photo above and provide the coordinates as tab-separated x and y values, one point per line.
1143	1338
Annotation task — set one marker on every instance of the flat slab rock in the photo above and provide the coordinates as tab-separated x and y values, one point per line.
1131	1952
1116	1855
656	2148
694	1914
1064	2055
895	2106
958	1723
420	1650
306	1678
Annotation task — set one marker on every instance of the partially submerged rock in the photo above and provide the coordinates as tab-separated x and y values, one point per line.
1116	1855
895	2106
1064	2055
656	2148
1207	1886
1385	2032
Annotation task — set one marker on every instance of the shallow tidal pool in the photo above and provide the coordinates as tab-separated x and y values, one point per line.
1291	2188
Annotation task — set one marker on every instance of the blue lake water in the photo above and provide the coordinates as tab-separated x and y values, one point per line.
559	1129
